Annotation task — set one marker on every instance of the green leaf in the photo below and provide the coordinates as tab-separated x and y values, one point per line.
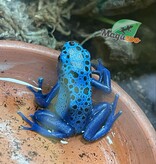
126	27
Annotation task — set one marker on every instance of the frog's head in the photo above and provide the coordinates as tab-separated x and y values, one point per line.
73	56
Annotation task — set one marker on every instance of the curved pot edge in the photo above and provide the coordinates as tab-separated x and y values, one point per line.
140	116
29	47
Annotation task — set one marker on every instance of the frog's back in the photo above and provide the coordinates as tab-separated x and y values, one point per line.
74	98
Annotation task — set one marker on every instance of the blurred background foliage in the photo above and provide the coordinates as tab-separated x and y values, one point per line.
52	22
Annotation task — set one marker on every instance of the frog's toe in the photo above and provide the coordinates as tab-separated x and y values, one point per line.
40	82
112	117
25	127
99	61
32	124
25	118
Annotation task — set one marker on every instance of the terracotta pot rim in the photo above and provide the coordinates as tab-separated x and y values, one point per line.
139	115
29	47
141	118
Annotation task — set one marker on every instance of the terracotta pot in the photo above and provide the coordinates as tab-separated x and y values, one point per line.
131	140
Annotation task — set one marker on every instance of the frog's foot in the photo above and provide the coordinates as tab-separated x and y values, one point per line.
100	70
44	100
40	82
47	124
102	120
104	81
39	96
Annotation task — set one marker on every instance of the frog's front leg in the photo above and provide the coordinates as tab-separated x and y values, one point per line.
104	81
102	118
48	124
44	100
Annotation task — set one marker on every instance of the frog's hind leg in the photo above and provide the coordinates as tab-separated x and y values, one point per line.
48	124
104	81
102	120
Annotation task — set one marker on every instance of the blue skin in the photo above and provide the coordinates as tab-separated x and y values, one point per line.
74	112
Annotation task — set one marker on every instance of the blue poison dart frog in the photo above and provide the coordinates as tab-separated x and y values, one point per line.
74	112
